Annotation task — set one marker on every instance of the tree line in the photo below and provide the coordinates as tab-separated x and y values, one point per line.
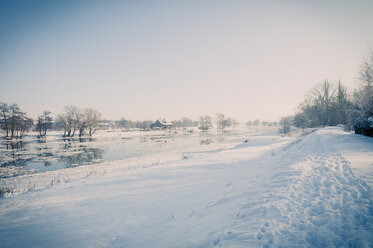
73	121
14	122
80	121
360	116
76	121
330	104
145	125
206	122
263	123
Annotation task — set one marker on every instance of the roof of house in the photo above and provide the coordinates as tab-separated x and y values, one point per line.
164	122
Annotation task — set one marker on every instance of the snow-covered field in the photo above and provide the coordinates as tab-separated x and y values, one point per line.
309	191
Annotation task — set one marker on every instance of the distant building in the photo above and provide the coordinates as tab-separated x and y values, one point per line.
162	124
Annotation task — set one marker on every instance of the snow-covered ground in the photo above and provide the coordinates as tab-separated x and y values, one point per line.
272	191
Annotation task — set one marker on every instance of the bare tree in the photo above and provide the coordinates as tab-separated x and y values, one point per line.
93	118
146	124
366	71
124	123
85	121
322	96
325	105
285	123
24	125
69	120
301	120
5	117
186	122
360	116
61	121
13	121
44	123
228	122
219	121
205	122
82	122
342	104
74	116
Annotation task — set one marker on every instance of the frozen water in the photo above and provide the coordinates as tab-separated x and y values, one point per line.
32	155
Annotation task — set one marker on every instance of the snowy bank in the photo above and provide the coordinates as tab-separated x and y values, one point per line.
311	191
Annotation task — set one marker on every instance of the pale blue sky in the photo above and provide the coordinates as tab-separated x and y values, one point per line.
150	59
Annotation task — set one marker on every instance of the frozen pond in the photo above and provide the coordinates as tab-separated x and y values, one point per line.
32	155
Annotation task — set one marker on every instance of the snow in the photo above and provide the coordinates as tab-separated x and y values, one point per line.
31	155
270	191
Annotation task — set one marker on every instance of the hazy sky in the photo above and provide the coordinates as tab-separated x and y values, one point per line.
150	59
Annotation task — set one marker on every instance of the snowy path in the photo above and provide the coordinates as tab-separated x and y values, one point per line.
315	191
325	205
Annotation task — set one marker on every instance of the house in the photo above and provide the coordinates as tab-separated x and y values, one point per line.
162	124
